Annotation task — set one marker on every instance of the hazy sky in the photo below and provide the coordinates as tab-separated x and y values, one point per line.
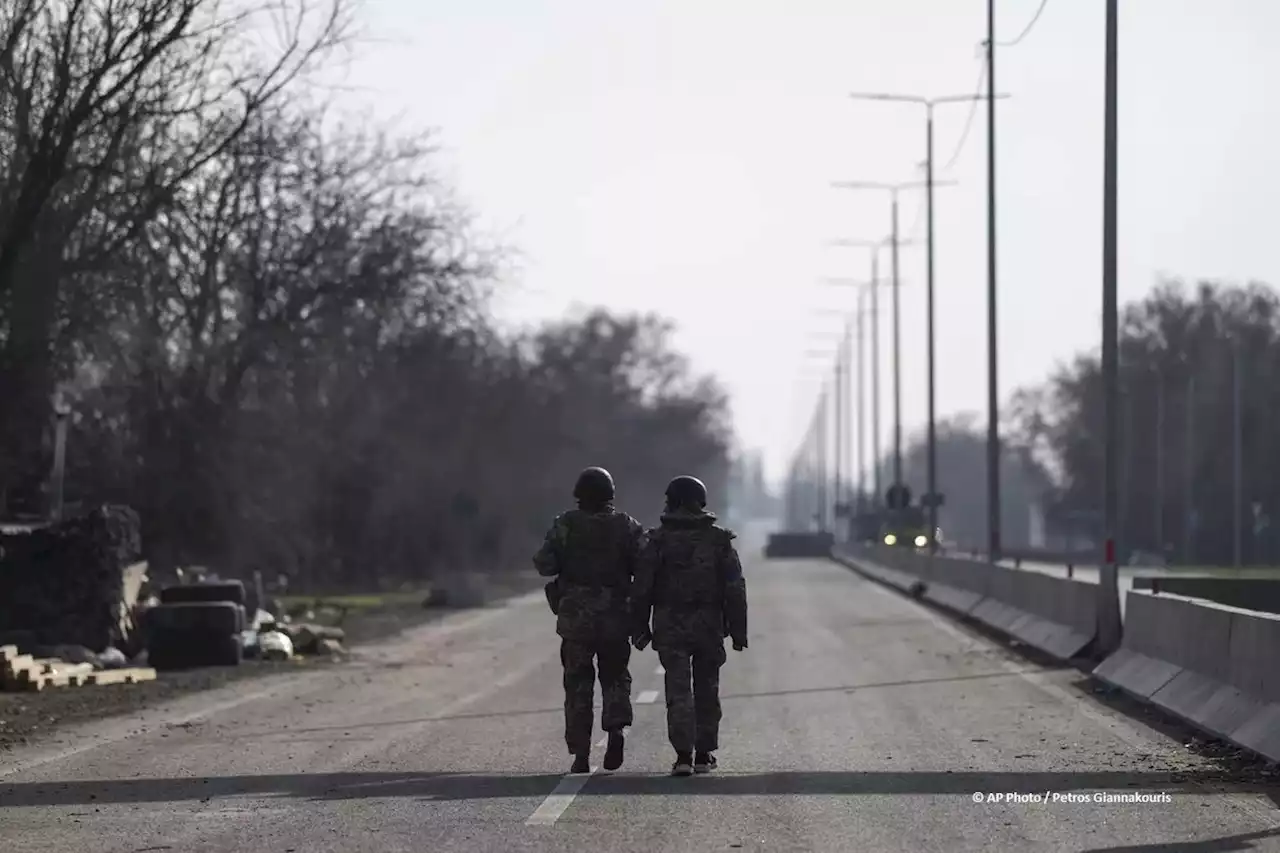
677	157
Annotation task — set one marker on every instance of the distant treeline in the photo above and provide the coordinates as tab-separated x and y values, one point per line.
1184	352
273	330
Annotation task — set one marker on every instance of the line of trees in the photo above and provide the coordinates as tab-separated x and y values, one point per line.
1199	383
274	329
1184	352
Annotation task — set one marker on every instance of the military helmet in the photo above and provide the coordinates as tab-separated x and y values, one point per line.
687	491
595	485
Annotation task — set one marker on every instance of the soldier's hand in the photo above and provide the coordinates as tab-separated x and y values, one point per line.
641	640
739	645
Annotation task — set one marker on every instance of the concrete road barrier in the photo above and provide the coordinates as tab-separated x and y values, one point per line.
1250	593
958	584
1056	615
1210	664
882	568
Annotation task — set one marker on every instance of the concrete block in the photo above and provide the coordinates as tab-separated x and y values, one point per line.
1209	664
1254	649
871	569
1206	702
1261	733
944	595
1135	673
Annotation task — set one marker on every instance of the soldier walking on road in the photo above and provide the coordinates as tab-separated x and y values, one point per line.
690	581
591	553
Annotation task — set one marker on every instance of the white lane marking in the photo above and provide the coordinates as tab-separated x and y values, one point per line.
647	697
550	809
1127	732
558	800
660	671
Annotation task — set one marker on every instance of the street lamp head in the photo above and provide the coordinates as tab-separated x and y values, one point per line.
856	244
861	185
882	96
966	99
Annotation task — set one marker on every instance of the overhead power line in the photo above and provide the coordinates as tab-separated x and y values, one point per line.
1029	27
968	122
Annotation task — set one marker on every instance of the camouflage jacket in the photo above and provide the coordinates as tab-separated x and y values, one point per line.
690	581
592	556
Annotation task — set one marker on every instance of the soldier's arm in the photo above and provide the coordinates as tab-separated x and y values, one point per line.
547	560
735	592
637	541
642	585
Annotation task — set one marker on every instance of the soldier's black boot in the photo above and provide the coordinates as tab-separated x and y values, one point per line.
613	753
581	763
704	762
683	765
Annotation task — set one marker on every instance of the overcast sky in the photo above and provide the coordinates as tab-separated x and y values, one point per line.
677	155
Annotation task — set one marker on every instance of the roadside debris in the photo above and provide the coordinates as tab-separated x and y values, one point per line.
29	673
74	582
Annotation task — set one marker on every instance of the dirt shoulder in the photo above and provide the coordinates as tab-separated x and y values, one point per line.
27	717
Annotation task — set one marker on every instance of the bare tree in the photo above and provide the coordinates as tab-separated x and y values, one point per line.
107	108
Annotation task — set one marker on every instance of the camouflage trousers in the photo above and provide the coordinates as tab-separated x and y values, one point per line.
692	684
579	660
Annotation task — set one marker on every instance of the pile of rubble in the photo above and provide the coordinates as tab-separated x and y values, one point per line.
74	610
207	623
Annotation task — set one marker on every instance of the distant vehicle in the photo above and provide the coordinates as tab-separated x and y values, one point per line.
905	528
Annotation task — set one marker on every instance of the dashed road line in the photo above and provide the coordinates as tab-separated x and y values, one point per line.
559	800
647	697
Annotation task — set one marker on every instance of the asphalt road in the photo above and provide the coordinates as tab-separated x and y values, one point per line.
857	721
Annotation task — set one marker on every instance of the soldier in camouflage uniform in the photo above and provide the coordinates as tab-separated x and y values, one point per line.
690	581
591	552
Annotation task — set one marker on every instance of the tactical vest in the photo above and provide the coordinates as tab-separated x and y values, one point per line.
597	551
697	585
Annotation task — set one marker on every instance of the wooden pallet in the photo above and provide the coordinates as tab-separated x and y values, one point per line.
24	672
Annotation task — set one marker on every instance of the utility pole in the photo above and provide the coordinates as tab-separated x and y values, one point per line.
895	243
993	391
874	286
1108	587
897	353
823	474
1189	477
929	104
1237	456
1159	521
931	463
840	403
875	376
862	421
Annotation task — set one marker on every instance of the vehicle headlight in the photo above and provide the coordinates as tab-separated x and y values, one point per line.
890	539
921	541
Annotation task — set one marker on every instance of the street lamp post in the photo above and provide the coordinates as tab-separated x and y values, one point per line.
874	286
844	367
1108	582
930	183
894	242
823	439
